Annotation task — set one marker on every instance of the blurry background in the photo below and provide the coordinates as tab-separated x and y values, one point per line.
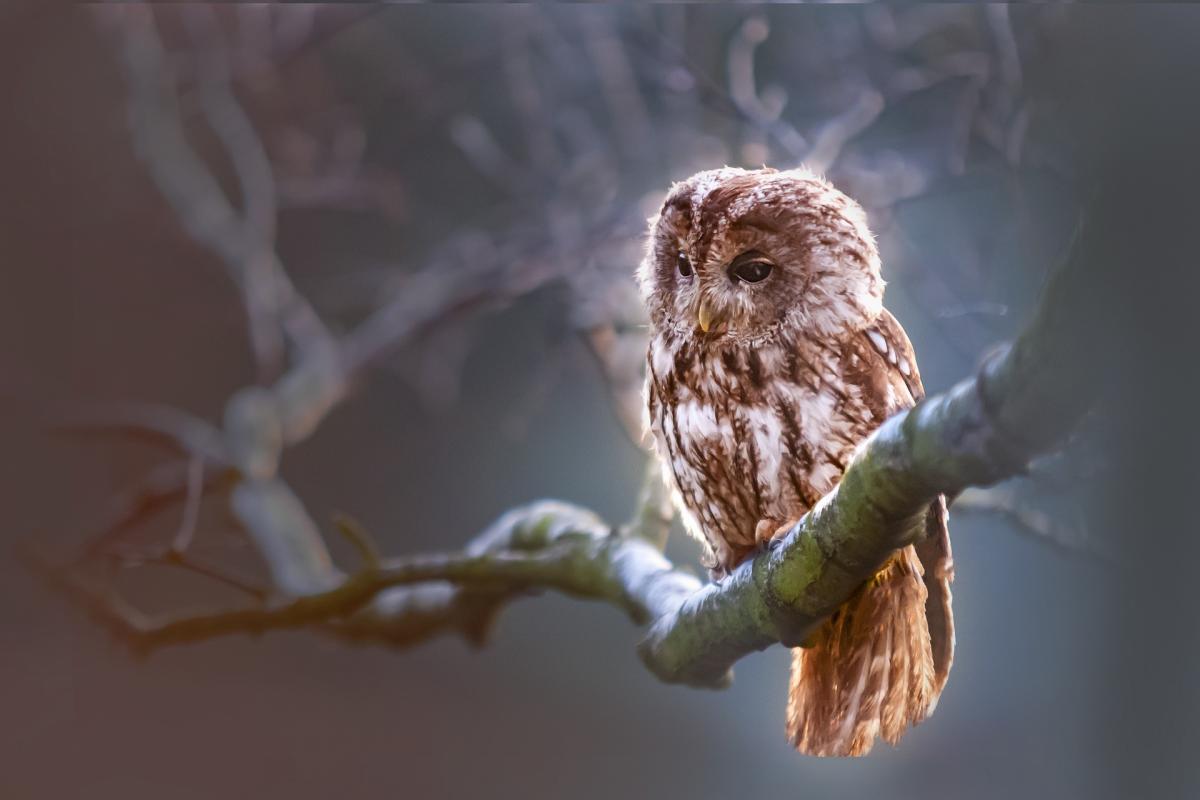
519	151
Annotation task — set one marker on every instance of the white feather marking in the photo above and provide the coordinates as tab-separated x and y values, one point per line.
823	475
817	417
699	420
767	430
663	358
877	339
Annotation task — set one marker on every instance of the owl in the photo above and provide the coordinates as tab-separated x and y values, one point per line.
771	359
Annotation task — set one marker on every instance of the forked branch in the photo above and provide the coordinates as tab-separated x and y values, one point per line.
1023	402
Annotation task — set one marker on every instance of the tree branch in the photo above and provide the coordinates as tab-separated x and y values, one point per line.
546	545
1023	402
1006	502
243	240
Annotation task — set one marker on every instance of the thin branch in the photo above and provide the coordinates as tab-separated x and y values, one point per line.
286	536
194	193
164	486
832	138
521	79
486	155
354	533
545	545
189	562
620	358
435	294
1003	501
653	512
162	425
412	615
191	506
763	109
1008	57
256	185
628	112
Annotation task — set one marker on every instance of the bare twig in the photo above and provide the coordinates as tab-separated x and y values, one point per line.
545	545
485	154
164	486
626	104
436	294
653	512
828	143
764	108
177	430
245	244
188	562
543	151
354	533
1003	501
191	506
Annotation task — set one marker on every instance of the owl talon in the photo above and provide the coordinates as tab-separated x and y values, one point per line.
768	533
762	533
780	532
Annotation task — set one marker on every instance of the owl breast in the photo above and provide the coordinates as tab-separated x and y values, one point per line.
747	434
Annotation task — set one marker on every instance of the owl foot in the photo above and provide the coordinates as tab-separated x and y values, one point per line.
768	532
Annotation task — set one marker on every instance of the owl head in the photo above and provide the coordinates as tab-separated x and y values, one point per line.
739	256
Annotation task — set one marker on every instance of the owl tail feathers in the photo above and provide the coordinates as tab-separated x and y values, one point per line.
870	670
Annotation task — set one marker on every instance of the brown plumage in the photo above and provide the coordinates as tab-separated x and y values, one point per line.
771	359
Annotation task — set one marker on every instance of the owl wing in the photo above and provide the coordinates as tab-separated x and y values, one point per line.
899	362
889	368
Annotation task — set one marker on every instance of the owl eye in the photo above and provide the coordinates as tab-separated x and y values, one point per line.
750	267
683	264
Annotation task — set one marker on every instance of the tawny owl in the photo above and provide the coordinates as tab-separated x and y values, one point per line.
771	358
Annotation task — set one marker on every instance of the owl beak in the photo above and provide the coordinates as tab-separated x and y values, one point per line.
709	316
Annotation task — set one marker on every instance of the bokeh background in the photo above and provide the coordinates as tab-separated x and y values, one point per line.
472	140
